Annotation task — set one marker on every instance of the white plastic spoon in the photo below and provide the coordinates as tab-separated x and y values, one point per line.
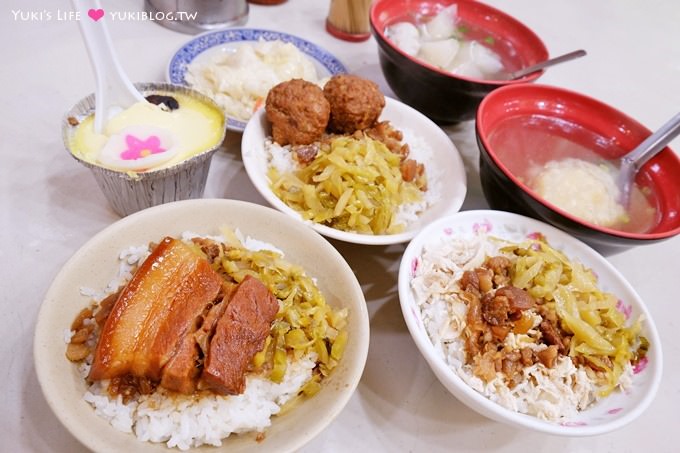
547	63
114	91
650	147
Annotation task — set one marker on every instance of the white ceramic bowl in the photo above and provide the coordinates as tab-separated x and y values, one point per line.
607	415
444	169
95	264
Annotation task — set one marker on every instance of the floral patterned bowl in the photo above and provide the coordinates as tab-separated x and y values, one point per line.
610	413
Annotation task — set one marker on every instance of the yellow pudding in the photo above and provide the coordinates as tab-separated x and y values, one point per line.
148	137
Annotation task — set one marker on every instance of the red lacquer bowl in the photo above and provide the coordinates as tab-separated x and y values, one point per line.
505	191
442	96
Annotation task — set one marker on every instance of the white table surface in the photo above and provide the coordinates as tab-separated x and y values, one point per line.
50	206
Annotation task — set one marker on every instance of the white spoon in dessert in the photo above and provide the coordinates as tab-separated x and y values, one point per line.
114	92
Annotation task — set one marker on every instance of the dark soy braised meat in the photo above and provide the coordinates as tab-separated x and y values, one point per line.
177	324
500	267
154	312
552	336
505	305
204	334
391	137
239	335
182	371
496	308
306	153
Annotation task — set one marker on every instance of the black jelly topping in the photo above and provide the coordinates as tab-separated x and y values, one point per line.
159	99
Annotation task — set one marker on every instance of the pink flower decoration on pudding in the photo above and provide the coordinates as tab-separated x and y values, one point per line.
615	410
482	227
627	310
641	365
448	231
138	148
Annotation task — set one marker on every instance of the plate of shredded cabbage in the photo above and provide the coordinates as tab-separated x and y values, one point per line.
237	67
353	190
529	326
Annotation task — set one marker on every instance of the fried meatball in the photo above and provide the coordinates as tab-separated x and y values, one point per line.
298	111
356	103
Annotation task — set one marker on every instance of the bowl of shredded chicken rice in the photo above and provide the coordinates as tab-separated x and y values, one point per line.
529	326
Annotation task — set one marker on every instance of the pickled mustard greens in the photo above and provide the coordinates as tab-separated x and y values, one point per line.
352	185
304	324
600	335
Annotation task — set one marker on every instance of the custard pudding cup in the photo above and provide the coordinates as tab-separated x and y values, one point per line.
148	154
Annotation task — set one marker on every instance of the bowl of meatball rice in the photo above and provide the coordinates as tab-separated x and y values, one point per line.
351	163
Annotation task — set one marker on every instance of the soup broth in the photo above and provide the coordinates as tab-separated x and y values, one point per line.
530	147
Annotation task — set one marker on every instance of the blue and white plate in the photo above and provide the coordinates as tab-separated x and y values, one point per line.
222	40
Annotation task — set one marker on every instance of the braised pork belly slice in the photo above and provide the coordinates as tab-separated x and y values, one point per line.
194	292
240	334
205	332
155	311
181	373
182	370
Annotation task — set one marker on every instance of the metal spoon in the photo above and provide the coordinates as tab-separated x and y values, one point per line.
650	147
114	91
544	64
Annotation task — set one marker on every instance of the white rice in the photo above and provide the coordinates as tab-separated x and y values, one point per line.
422	152
281	159
546	393
185	421
68	334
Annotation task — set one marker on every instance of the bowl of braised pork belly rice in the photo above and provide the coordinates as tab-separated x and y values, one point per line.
201	324
529	326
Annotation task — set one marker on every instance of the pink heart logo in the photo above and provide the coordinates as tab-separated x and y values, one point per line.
95	14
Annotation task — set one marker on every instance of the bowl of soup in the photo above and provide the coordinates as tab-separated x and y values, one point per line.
554	155
442	57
